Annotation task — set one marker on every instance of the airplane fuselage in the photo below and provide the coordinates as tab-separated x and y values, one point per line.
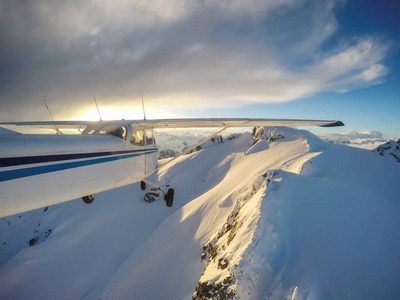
39	170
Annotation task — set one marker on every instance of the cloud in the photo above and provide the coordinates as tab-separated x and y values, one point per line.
353	66
365	139
354	135
185	53
371	134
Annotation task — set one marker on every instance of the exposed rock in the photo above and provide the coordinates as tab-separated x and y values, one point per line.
217	139
39	237
267	133
232	136
48	232
152	195
217	291
167	153
33	241
215	252
391	148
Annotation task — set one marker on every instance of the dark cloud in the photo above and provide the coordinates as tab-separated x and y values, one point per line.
189	53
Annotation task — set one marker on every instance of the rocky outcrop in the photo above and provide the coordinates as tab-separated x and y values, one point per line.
173	146
391	148
217	253
267	133
165	153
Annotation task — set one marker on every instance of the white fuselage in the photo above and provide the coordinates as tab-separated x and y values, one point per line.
41	170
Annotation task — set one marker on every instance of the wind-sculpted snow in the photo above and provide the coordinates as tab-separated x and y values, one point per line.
285	216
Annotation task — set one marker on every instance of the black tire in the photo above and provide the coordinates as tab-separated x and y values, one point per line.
169	197
143	185
88	199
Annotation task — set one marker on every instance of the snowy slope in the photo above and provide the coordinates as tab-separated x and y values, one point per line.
292	217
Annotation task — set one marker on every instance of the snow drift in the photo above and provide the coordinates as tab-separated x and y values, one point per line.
290	217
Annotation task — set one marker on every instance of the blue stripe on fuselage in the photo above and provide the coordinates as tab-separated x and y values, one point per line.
26	172
28	160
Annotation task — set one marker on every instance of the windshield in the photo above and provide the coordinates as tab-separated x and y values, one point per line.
113	129
149	137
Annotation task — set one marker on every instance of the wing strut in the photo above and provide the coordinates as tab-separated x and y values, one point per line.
169	195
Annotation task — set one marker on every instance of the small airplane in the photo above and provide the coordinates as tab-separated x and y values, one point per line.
38	170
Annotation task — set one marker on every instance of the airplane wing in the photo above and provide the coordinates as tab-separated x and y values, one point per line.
236	122
51	125
178	123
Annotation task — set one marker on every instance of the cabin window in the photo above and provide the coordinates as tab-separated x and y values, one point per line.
137	138
150	137
113	129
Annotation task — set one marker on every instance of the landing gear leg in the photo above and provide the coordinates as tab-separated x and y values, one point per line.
168	196
143	185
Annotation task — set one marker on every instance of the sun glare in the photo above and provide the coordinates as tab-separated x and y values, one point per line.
111	114
127	114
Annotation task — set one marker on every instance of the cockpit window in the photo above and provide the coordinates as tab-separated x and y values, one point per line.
113	129
140	137
137	138
149	137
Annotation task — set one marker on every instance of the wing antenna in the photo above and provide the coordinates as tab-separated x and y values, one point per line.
51	116
98	111
144	111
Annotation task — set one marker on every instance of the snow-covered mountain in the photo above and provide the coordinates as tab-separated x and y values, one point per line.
282	216
391	148
170	144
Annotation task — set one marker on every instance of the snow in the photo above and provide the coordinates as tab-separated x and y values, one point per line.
292	217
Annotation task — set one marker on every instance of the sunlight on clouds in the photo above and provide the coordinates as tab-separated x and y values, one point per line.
204	76
374	72
111	114
352	67
127	114
361	55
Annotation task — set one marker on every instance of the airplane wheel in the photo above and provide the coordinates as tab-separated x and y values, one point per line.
169	197
88	199
143	185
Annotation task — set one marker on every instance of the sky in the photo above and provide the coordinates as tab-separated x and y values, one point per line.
306	59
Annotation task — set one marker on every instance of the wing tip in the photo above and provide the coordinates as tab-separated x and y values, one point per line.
333	124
